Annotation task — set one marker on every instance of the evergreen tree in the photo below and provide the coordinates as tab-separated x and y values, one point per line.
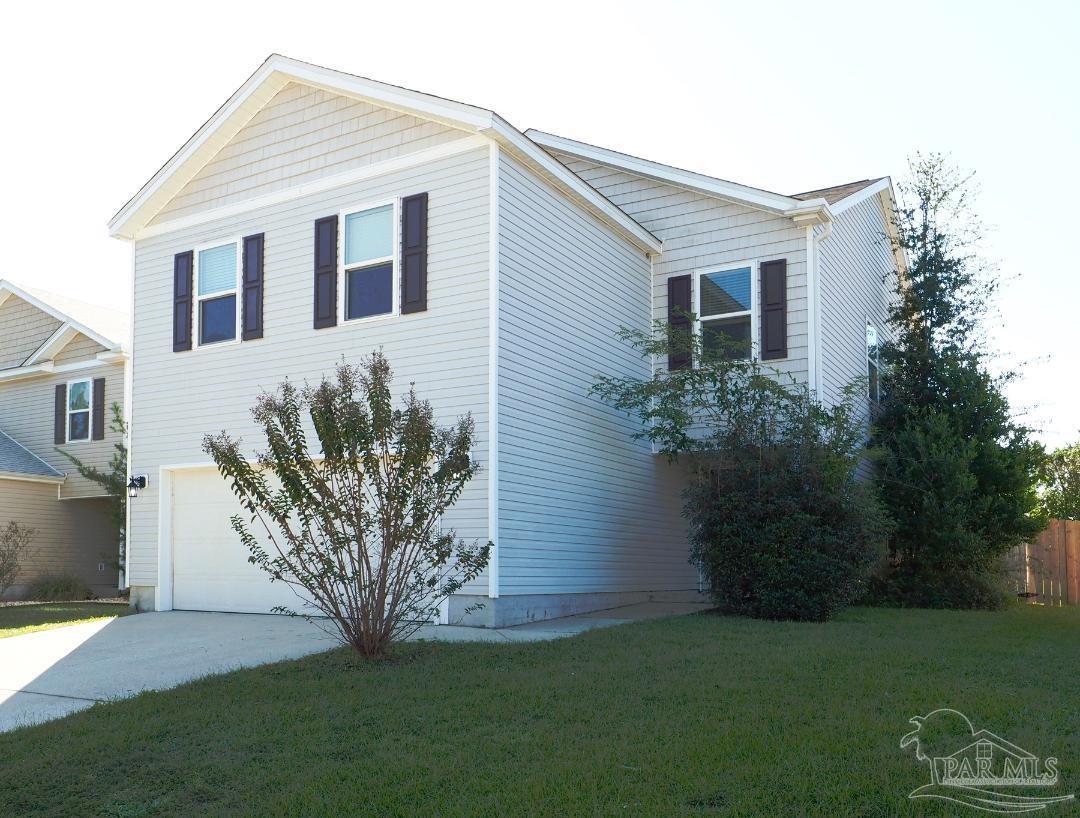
957	471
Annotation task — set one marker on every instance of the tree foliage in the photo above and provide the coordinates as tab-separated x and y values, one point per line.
113	480
958	472
354	528
778	523
1060	484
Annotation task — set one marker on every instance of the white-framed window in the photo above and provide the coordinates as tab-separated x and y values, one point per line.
873	366
724	300
368	274
217	284
80	406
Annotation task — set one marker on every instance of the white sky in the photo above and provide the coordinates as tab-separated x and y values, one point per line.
786	97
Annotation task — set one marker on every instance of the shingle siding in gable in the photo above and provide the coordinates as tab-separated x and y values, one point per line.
178	398
582	506
78	348
701	233
23	329
302	134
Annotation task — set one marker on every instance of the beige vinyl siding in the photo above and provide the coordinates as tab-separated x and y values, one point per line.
23	329
73	537
703	233
26	415
180	397
302	134
78	348
582	506
857	270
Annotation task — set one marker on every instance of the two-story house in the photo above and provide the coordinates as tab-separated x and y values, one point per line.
61	369
319	214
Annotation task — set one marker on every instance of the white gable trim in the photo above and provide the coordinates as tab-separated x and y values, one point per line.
49	368
7	288
862	195
336	180
813	211
132	219
56	342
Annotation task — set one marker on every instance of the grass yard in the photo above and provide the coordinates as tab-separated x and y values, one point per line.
699	715
15	620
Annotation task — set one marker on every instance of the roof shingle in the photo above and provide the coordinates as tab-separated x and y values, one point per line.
834	194
16	459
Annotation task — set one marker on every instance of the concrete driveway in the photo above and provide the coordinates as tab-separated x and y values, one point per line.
49	674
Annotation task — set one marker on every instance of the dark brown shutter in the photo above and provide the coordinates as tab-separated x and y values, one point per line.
97	422
774	309
252	311
60	414
414	253
680	303
326	239
183	264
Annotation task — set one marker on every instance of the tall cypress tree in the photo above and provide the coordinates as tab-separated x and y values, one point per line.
957	471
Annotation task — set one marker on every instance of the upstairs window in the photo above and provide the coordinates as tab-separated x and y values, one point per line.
217	280
725	312
873	377
368	262
79	397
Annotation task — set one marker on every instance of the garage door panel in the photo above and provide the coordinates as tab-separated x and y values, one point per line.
210	567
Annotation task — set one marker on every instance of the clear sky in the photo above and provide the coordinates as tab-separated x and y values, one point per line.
786	97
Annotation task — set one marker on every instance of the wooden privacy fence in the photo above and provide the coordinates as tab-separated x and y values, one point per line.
1048	570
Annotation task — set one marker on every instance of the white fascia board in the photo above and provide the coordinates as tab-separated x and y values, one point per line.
271	77
30	478
7	288
697	182
53	344
862	195
525	148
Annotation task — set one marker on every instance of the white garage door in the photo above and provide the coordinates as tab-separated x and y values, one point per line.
210	567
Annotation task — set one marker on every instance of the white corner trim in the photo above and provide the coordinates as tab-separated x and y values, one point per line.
493	370
331	182
813	319
862	195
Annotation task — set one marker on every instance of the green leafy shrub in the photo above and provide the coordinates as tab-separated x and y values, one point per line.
58	588
779	525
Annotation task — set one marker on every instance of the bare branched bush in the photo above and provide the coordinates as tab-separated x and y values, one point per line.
15	540
354	528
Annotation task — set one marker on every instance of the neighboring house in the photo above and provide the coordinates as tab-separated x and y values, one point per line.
318	215
61	367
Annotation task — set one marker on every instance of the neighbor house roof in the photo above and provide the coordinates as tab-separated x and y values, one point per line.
837	193
277	71
18	461
105	326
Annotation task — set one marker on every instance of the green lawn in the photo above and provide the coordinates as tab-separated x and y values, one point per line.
16	620
701	715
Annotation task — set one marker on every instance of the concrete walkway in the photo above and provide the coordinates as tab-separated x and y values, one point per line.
49	674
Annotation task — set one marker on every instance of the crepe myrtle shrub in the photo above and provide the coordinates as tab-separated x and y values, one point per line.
778	523
15	540
354	529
